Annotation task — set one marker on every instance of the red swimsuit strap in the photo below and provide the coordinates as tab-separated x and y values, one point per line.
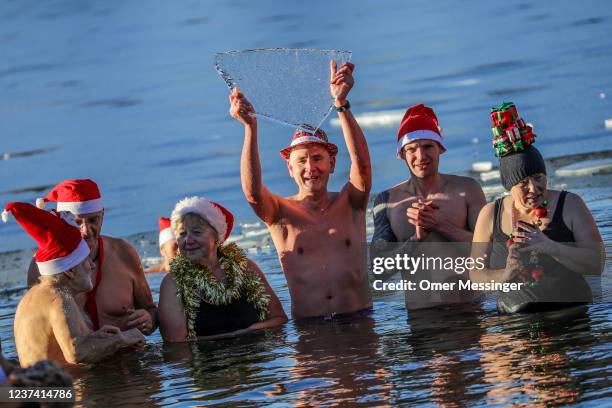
92	307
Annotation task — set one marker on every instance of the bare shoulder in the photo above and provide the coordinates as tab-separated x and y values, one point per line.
398	192
573	199
462	183
574	206
168	283
255	268
487	211
121	249
401	186
117	244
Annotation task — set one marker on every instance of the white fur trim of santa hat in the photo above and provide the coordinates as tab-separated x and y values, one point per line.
205	209
165	235
81	207
65	263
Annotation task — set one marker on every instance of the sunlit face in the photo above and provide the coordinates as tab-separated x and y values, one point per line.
81	276
422	157
196	239
168	249
530	192
310	167
90	226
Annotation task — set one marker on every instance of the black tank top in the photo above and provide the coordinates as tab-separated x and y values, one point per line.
212	319
559	287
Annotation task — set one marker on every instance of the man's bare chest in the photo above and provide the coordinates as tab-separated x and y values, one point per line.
115	291
448	206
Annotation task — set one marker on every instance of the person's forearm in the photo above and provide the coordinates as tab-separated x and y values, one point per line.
585	261
357	148
91	348
271	322
250	166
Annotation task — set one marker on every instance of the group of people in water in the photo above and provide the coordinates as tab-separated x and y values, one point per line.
88	296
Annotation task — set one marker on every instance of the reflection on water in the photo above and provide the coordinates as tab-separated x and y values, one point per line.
469	357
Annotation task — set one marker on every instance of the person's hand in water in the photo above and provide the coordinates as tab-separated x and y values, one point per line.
241	109
133	339
340	81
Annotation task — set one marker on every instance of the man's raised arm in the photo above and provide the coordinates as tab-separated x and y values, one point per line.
360	179
264	203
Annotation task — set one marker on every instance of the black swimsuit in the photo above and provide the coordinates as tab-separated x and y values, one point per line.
559	287
212	319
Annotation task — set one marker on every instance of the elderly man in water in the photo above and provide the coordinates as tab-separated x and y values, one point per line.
48	322
120	296
319	235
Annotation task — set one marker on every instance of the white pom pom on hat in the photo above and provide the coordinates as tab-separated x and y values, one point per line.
6	216
40	203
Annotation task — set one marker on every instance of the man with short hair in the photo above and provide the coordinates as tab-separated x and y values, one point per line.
429	206
120	296
48	322
319	235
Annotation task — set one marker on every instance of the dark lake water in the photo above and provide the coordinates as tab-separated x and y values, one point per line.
125	93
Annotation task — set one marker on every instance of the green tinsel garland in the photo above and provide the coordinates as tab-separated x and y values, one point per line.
196	283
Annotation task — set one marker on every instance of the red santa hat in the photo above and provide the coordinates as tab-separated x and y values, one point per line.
60	246
215	214
75	196
165	230
419	122
306	134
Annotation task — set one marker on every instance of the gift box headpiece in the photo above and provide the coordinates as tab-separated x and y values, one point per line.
510	133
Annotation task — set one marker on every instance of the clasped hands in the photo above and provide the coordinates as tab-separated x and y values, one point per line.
423	214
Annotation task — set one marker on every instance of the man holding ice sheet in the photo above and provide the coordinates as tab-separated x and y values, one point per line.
319	235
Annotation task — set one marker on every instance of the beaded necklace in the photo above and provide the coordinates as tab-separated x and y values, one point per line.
533	272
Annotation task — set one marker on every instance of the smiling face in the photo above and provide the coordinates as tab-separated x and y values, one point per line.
422	157
530	192
90	226
196	239
310	166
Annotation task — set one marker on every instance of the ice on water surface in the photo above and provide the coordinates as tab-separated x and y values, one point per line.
285	85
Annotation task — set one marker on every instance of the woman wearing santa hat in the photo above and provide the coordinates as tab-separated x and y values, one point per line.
546	240
213	289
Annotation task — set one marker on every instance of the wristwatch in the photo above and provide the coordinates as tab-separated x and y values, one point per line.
343	108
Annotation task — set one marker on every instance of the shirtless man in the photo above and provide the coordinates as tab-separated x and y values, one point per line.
48	322
167	247
121	296
429	206
319	235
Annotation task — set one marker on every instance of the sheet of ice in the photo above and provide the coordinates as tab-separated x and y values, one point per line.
285	85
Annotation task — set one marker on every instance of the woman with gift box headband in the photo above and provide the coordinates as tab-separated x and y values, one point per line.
213	290
545	239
